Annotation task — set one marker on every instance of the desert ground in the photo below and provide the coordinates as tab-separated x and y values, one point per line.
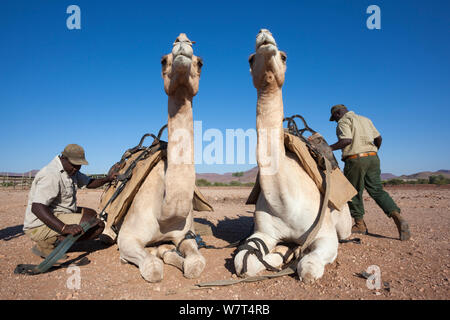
416	269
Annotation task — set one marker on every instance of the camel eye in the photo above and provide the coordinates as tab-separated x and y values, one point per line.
283	56
164	61
251	59
200	62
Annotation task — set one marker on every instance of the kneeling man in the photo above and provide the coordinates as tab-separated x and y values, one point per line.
52	211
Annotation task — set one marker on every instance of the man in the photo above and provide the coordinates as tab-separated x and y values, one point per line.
52	211
359	140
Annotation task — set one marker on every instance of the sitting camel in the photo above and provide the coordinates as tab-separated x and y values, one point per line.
162	208
289	201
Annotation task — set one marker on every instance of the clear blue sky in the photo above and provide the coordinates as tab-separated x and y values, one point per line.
101	86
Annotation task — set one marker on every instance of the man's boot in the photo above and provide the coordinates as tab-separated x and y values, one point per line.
359	226
402	226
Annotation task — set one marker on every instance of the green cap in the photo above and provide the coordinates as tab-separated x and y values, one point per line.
75	154
336	108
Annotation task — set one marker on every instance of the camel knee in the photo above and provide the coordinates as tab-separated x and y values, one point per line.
131	250
247	261
151	268
310	268
194	262
193	266
250	266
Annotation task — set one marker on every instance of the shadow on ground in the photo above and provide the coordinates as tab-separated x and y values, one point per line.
10	233
229	229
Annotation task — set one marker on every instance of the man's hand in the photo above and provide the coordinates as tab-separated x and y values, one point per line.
73	229
341	144
112	176
377	142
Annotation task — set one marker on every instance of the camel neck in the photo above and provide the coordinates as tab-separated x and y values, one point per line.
180	128
269	125
180	173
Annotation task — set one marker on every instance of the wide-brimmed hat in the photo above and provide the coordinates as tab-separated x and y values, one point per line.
335	108
75	154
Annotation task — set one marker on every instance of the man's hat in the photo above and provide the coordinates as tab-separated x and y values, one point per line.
75	154
336	108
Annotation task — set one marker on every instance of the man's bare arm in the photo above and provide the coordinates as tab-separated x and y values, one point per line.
377	141
341	144
46	216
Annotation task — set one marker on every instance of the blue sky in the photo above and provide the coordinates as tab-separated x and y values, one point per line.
101	86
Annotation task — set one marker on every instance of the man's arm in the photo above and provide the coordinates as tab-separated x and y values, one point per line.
112	174
341	144
377	142
45	215
95	183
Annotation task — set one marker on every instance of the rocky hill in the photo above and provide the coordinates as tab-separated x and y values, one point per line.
250	175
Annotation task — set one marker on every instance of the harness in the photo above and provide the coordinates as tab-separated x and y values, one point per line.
317	147
156	145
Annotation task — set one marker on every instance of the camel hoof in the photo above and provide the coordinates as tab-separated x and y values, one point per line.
193	266
310	270
152	269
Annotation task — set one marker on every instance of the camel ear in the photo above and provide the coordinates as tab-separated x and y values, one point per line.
250	60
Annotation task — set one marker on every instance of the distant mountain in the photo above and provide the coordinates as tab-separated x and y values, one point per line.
426	174
250	176
387	176
247	176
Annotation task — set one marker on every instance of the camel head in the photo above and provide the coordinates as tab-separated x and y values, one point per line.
181	69
267	64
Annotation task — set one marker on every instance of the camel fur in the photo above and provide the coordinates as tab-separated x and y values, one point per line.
162	209
289	201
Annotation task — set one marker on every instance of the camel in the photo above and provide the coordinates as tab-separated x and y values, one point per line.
162	209
289	201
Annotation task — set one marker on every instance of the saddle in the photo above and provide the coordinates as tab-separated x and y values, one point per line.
310	153
135	165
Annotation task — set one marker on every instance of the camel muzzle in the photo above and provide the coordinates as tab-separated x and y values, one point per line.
182	56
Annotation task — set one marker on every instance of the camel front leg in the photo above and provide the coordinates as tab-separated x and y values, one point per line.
194	262
167	253
133	250
253	264
323	251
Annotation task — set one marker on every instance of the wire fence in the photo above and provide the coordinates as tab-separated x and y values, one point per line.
24	182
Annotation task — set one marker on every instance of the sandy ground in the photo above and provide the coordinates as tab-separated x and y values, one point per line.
414	269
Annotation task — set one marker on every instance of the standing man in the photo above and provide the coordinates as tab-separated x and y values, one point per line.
52	211
359	140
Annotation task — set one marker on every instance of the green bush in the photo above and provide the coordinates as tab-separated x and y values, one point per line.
8	184
395	182
206	183
439	180
203	183
237	174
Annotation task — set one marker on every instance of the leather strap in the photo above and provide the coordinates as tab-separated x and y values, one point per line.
361	155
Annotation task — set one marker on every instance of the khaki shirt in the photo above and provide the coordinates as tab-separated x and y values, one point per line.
362	132
54	188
